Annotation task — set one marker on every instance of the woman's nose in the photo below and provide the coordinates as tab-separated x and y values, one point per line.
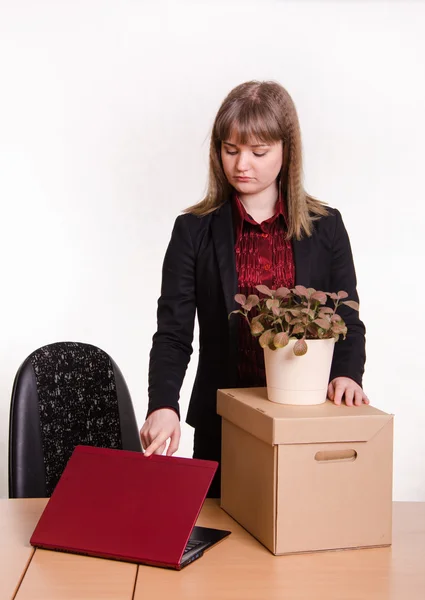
242	163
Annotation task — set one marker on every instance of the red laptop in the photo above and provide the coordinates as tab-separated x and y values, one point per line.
119	504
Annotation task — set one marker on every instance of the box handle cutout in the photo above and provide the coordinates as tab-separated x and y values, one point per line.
327	456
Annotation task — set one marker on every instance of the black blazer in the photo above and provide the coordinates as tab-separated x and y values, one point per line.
199	274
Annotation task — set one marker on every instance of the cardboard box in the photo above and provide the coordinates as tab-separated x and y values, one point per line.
306	478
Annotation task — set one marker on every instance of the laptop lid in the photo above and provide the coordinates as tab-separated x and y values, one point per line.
120	504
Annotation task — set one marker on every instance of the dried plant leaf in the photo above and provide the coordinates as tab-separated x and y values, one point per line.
337	328
300	347
256	328
251	301
240	299
282	292
263	289
272	304
281	339
266	337
352	304
301	290
319	296
309	312
323	323
294	321
300	312
313	331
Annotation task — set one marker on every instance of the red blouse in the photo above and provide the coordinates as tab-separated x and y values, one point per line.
263	256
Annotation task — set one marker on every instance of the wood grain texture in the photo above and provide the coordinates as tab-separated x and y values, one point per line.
18	519
242	569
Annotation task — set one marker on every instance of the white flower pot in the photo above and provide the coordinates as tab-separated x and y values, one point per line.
301	380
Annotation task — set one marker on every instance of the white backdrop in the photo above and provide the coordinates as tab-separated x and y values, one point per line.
105	111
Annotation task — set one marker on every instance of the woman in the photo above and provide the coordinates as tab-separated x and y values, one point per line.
255	225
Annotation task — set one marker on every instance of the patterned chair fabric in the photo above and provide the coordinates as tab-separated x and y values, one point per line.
77	403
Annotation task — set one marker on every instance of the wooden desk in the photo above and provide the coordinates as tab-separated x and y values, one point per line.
45	575
239	569
17	521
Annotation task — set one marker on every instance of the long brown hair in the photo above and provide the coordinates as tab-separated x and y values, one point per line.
264	111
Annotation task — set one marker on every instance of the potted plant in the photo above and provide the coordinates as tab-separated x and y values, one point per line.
298	329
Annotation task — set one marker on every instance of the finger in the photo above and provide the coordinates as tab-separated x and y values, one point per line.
365	398
358	397
150	435
159	440
174	442
161	449
339	391
331	391
146	438
349	395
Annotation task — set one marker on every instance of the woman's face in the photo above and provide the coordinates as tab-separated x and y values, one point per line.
251	168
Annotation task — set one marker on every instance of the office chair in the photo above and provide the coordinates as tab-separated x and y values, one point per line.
65	394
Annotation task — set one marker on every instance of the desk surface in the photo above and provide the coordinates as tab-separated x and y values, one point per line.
240	568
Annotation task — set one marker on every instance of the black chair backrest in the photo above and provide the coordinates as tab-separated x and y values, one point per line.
65	394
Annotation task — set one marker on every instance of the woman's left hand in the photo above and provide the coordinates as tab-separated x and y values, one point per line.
345	388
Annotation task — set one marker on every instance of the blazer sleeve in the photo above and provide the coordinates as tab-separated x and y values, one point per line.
172	342
349	354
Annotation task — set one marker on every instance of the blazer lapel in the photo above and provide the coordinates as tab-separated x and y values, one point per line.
302	249
224	244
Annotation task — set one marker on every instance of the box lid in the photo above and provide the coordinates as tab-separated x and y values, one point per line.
249	409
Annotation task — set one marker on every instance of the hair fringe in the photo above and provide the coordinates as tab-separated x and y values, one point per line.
263	110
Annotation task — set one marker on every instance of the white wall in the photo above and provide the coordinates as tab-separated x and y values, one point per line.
105	110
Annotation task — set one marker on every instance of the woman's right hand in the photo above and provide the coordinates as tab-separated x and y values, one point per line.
161	425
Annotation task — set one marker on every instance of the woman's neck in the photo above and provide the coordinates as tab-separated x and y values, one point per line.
260	206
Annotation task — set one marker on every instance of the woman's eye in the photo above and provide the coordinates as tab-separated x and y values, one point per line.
234	152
